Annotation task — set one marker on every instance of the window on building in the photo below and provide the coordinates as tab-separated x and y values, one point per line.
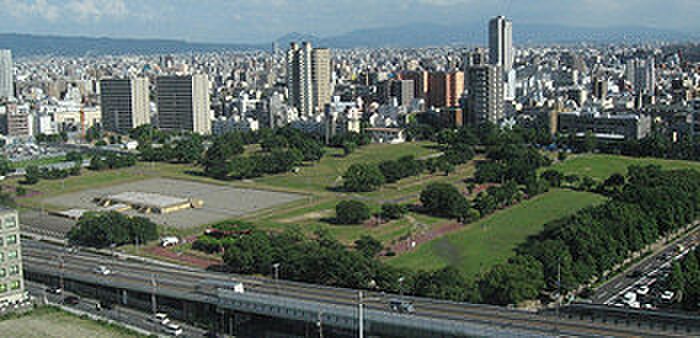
10	222
12	239
3	288
15	285
14	270
12	255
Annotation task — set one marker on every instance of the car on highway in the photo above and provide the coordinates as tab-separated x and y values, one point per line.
401	306
71	300
102	270
56	290
173	330
161	318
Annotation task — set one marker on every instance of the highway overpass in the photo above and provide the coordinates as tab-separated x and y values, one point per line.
301	307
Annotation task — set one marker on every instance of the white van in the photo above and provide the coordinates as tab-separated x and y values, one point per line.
173	330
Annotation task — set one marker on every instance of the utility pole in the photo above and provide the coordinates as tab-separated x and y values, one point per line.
558	290
320	325
360	314
154	306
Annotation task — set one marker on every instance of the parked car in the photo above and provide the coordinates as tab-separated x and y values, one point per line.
173	330
667	296
169	241
643	290
71	300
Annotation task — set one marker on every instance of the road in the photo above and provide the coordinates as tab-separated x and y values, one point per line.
646	270
184	280
119	314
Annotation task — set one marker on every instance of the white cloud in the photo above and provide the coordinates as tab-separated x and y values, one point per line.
95	10
23	9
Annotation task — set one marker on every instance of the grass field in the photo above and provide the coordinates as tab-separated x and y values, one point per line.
52	322
492	240
601	167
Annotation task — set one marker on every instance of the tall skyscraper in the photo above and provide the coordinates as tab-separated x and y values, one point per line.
484	87
445	89
308	78
6	74
125	104
183	103
501	43
642	74
321	78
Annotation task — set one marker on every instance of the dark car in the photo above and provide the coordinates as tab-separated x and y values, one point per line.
212	334
107	305
71	300
56	290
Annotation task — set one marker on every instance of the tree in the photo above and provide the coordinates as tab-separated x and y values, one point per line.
100	230
188	149
222	150
511	283
393	211
362	178
351	212
5	166
553	177
368	246
31	175
443	200
445	166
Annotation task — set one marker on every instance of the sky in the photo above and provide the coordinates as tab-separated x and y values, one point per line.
260	21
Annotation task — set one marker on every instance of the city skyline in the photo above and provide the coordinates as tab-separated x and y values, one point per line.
261	21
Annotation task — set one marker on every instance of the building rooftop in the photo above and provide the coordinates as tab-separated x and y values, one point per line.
147	199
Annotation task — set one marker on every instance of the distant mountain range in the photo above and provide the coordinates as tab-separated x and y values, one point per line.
413	35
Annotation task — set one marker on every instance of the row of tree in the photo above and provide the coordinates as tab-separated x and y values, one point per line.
685	281
101	230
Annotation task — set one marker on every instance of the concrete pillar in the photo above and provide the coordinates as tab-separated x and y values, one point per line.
125	297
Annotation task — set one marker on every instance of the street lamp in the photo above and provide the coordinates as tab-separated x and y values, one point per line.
401	279
276	267
360	308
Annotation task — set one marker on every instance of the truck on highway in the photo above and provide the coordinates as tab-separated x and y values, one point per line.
213	286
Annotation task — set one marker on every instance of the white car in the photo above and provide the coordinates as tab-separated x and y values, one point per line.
667	296
643	291
161	318
169	241
103	270
173	329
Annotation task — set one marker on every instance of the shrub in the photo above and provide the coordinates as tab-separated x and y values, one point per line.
351	212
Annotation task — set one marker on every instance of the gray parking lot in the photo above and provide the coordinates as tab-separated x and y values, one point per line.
220	202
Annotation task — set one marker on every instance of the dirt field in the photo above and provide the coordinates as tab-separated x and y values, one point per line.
220	202
53	323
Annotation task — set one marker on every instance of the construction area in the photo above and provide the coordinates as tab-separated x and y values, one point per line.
176	203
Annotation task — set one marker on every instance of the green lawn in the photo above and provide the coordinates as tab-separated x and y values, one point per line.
52	322
492	240
320	176
601	167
